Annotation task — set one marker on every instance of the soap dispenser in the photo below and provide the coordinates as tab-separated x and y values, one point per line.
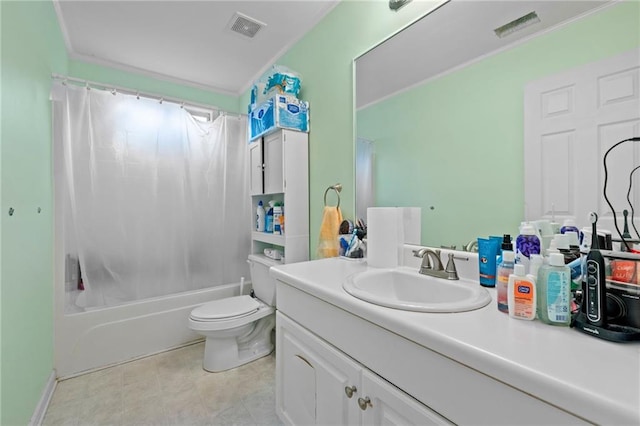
554	291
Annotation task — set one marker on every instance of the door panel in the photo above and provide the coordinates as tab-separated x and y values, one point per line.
390	406
571	120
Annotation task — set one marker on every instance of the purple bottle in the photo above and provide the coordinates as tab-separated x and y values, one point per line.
527	244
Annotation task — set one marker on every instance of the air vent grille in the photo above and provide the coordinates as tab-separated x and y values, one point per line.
245	25
517	24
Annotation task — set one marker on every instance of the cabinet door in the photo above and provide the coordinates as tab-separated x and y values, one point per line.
273	167
255	168
312	379
388	405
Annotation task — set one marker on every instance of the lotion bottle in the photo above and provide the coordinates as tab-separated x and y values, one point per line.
554	291
522	294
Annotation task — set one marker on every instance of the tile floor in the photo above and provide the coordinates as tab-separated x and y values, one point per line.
169	389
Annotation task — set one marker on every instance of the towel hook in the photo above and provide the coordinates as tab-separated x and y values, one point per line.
337	188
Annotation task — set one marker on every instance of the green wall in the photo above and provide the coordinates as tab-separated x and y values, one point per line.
324	58
32	48
456	143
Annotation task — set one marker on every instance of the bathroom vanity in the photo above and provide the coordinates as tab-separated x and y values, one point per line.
344	361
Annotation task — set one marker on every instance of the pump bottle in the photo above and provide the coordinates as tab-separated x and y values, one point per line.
554	291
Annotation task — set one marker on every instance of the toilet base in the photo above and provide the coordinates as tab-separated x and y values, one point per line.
225	353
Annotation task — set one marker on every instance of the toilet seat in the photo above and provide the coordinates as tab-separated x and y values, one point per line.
226	309
210	317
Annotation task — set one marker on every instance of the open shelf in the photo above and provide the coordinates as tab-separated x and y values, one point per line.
268	238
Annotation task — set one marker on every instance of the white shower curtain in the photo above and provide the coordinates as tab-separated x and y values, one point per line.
158	200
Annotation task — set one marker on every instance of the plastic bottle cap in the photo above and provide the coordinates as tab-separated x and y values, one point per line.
508	256
569	222
528	229
556	259
519	270
506	242
260	203
562	241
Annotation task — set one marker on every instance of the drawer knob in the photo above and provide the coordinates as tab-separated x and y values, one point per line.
364	403
350	390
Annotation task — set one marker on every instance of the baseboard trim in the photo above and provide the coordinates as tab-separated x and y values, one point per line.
45	398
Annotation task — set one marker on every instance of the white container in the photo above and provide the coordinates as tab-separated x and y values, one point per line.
260	214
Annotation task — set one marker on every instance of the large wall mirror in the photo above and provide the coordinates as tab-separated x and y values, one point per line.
439	108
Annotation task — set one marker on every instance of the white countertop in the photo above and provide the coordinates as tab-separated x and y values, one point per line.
589	377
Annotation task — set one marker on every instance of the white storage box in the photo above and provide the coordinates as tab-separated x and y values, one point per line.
280	111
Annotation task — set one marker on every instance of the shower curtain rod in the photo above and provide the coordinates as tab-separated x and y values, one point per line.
128	91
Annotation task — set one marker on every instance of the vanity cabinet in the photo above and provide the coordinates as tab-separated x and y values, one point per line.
323	349
279	171
318	384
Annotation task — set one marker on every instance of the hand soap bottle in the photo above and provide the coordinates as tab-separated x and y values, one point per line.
554	291
522	295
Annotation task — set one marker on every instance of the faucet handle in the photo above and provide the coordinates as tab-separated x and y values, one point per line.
452	272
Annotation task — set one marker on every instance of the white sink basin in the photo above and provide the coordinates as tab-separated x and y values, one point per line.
406	289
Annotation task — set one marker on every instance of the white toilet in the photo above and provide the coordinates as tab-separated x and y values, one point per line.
238	329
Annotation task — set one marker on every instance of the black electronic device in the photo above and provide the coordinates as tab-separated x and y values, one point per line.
595	297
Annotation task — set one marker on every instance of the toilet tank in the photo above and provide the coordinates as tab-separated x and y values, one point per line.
263	284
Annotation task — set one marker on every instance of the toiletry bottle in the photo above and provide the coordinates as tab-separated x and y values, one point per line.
554	291
488	249
260	214
522	295
269	218
277	213
536	263
527	244
504	245
569	227
502	280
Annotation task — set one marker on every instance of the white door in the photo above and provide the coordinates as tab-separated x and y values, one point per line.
384	404
571	120
255	167
315	383
273	171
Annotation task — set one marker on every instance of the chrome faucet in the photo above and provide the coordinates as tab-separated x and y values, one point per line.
432	265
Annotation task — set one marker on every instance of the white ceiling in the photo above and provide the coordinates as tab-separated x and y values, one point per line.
455	34
186	41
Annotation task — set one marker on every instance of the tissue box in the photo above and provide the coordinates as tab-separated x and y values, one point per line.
280	111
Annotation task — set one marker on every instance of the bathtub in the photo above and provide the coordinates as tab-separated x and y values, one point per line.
101	337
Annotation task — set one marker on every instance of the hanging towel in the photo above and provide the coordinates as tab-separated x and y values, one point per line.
328	241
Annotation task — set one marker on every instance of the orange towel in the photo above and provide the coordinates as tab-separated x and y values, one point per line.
328	241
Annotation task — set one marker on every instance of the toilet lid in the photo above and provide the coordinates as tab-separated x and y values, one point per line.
226	308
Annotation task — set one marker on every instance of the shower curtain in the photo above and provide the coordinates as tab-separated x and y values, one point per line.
158	200
365	188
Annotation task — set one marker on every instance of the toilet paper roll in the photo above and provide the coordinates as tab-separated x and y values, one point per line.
385	237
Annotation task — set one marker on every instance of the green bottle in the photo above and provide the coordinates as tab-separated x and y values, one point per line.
554	291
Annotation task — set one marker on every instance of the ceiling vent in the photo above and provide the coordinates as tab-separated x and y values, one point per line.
244	25
517	24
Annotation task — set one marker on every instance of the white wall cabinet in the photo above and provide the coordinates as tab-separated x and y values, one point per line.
318	384
279	171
